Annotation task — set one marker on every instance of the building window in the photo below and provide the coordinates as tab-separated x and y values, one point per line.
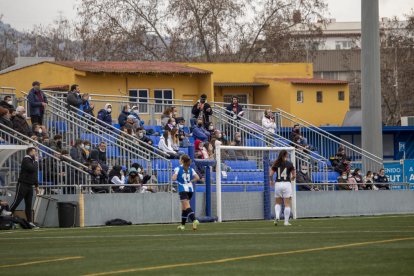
140	96
229	97
343	45
163	99
299	96
341	96
319	96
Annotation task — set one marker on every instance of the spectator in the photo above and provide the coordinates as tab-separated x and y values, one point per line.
143	178
7	102
130	123
357	175
56	143
122	119
137	120
74	98
302	177
200	151
234	109
211	129
268	122
143	138
76	151
369	181
133	178
86	151
38	133
343	182
175	115
20	123
341	164
99	155
104	115
37	103
171	123
297	138
239	154
71	176
87	107
165	146
5	118
175	142
381	180
117	176
166	116
219	136
183	135
200	133
201	110
98	176
352	182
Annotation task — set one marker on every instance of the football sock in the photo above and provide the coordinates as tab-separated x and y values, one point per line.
277	211
190	214
287	214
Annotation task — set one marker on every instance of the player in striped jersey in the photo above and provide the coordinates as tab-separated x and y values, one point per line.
285	173
185	175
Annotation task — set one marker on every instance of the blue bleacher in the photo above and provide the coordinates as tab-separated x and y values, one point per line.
185	150
241	177
142	162
254	142
155	139
320	177
59	126
241	165
112	151
160	164
164	176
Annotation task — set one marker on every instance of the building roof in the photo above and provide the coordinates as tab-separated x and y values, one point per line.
337	60
57	87
311	81
144	67
22	62
240	84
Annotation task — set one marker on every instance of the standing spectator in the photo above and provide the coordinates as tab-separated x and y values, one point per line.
76	151
143	138
87	107
200	133
27	179
171	123
343	182
201	110
104	115
234	109
20	123
37	103
137	119
303	177
74	98
122	118
166	116
7	102
268	122
165	146
5	118
381	180
357	175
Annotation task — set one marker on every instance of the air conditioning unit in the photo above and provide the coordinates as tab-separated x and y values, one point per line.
407	121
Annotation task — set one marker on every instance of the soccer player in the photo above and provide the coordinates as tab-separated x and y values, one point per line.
285	172
185	175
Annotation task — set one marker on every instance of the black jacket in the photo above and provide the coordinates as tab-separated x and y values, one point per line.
123	118
196	112
99	156
231	113
20	125
303	178
29	171
6	105
74	99
8	123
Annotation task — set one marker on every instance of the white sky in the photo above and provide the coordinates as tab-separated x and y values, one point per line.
23	14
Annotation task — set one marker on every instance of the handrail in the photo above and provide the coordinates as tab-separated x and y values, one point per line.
330	136
265	106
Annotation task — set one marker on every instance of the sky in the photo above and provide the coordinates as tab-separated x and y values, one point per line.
23	14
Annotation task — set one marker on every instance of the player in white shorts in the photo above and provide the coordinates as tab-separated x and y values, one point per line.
285	172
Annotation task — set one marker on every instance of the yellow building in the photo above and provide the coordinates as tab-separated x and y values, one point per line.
288	86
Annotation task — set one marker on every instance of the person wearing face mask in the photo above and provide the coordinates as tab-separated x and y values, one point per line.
303	177
240	154
211	129
37	102
200	133
381	180
369	181
99	155
143	138
143	179
183	134
201	110
166	116
343	183
5	119
56	143
269	124
137	119
165	145
76	151
7	102
86	151
20	123
86	108
104	115
171	124
74	98
123	116
27	179
357	175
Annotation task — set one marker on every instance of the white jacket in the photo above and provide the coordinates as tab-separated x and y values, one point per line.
268	124
165	146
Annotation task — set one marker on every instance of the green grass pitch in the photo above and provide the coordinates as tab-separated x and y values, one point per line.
381	245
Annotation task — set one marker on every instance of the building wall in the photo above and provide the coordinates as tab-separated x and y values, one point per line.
219	93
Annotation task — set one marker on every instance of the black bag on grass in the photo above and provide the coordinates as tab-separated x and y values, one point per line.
117	222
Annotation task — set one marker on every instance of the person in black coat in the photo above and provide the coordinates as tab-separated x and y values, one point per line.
98	176
303	177
20	123
5	118
37	103
201	110
99	155
74	97
234	109
123	116
27	179
7	102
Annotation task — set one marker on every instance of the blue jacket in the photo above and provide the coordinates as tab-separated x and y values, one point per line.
105	116
201	134
35	105
123	118
141	122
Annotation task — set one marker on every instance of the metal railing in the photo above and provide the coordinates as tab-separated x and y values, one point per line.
53	169
254	135
252	112
325	143
122	148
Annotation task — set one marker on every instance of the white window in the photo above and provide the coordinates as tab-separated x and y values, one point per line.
140	96
299	96
163	99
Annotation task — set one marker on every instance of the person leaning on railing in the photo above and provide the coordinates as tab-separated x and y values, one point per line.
234	109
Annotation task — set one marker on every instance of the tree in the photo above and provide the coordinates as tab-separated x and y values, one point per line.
8	45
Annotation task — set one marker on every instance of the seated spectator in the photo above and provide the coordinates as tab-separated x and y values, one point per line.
166	116
104	115
123	116
357	175
116	176
76	151
183	135
200	152
175	142
98	176
143	138
303	177
201	110
20	123
200	133
86	151
352	182
12	113
342	166
137	120
133	178
369	181
74	99
211	129
343	182
5	118
99	155
143	178
297	138
268	121
7	102
171	123
174	114
165	146
234	109
381	180
87	107
56	143
130	123
240	154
